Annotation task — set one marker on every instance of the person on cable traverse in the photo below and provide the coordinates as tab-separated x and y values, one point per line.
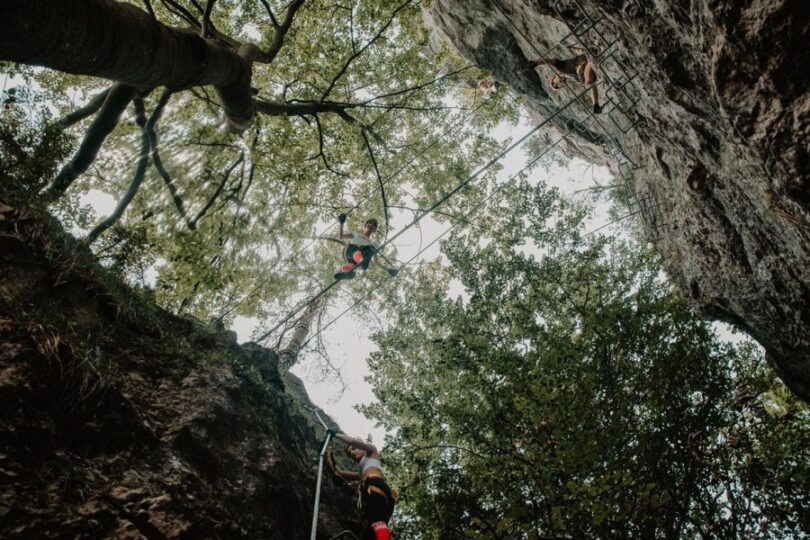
360	250
579	68
377	499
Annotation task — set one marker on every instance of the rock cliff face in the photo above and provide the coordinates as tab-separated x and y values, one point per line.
118	420
719	103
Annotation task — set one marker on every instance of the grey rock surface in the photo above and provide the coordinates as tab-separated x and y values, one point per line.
721	109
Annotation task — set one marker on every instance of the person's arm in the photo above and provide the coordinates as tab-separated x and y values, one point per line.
341	221
347	475
357	443
391	270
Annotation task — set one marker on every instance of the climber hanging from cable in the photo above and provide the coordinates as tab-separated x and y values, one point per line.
377	499
579	68
360	250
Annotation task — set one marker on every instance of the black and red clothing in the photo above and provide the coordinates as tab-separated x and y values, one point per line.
378	506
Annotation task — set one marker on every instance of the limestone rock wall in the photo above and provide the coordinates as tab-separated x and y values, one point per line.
719	147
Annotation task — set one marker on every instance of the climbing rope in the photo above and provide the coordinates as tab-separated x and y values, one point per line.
443	199
461	185
474	209
449	128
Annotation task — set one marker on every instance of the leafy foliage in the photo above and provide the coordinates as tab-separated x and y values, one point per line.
239	220
570	392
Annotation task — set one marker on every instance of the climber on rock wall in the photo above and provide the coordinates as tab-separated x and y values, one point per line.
360	250
579	68
376	496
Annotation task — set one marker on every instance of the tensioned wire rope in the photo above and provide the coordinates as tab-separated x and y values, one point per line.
449	128
324	290
437	204
474	209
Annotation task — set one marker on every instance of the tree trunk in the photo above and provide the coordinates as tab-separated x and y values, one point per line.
289	354
121	42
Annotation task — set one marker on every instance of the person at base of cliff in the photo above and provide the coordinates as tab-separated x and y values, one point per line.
360	250
376	496
579	68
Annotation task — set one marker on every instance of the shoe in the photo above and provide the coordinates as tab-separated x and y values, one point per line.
345	275
597	108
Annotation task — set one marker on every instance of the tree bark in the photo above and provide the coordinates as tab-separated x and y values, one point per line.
289	354
121	42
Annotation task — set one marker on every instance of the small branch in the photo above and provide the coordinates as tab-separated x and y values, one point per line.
90	109
321	152
270	54
363	49
302	108
270	13
148	5
418	86
437	212
206	22
379	179
219	189
105	122
158	162
181	12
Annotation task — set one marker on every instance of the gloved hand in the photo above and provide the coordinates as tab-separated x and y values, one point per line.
329	460
597	108
342	218
393	272
331	432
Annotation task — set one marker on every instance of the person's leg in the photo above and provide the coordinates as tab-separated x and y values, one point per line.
347	270
375	507
589	75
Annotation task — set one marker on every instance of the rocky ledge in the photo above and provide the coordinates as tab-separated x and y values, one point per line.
118	420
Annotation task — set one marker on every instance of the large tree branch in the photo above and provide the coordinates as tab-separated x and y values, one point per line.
121	42
140	171
115	102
